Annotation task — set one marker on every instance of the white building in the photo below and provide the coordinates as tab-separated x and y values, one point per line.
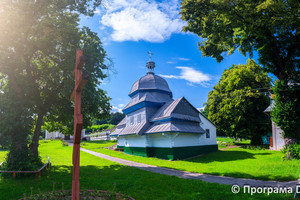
58	135
156	125
209	127
276	141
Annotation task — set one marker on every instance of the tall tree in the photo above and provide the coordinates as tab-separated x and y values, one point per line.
37	57
268	27
237	102
116	117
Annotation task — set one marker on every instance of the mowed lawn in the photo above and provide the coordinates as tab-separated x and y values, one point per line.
97	173
234	162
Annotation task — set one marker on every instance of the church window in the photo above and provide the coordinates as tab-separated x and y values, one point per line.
207	133
131	120
139	118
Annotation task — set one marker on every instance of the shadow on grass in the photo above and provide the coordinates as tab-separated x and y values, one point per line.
100	141
130	181
223	156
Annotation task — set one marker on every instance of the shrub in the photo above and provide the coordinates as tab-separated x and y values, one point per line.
291	151
64	143
98	128
256	147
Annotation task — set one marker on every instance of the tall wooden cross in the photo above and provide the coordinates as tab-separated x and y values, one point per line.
80	81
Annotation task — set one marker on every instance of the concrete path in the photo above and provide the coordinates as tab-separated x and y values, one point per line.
190	175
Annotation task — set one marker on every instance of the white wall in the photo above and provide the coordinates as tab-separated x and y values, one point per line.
167	140
206	124
135	141
278	141
121	141
159	140
53	135
57	134
187	139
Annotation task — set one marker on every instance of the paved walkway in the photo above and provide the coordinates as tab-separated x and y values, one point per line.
197	176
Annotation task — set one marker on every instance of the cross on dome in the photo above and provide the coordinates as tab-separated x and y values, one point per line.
150	64
150	54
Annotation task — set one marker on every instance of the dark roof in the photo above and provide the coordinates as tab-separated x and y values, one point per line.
149	97
134	129
180	127
175	116
179	109
150	82
122	122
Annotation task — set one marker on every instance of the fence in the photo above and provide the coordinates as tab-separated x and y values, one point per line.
37	173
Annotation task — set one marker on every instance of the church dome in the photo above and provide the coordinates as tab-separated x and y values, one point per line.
150	82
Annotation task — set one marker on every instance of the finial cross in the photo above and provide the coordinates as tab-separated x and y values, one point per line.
150	54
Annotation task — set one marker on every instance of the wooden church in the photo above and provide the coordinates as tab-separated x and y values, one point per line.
156	125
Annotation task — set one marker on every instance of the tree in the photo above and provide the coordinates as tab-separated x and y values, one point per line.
205	111
116	118
236	103
37	57
113	118
270	28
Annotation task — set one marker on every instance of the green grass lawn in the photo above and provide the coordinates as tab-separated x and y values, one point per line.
2	155
223	142
234	162
97	173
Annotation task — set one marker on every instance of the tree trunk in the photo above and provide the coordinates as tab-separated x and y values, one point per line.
18	152
34	145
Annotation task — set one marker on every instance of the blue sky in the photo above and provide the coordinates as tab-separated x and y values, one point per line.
130	28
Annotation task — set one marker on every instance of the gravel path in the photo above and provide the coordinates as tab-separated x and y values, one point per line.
197	176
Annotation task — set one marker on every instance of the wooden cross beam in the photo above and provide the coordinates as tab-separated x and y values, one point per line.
80	81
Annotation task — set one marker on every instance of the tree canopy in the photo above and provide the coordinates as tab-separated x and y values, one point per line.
269	28
37	57
237	102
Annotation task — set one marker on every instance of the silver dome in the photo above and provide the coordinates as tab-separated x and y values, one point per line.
150	82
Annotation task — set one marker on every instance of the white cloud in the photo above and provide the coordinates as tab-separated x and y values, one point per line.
121	105
201	109
134	20
192	76
175	60
97	11
171	62
184	59
117	108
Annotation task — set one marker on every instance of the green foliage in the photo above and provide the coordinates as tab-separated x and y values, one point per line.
99	128
291	151
270	28
64	143
116	118
205	111
236	103
20	164
37	54
286	112
5	141
259	147
224	142
113	118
